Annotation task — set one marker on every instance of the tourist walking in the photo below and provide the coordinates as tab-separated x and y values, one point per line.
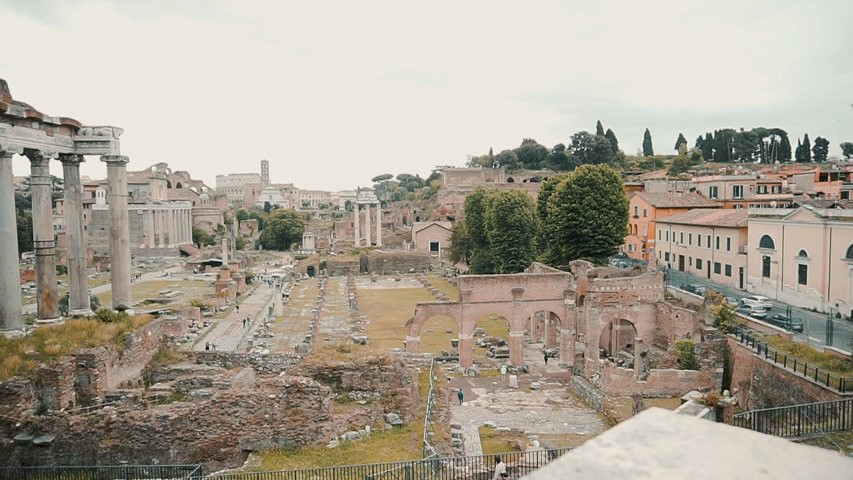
500	469
546	358
207	346
460	395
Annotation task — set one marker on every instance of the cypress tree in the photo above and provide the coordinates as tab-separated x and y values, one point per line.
599	130
681	140
613	141
807	149
648	151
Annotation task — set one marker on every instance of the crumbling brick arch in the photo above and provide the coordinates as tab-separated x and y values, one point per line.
423	312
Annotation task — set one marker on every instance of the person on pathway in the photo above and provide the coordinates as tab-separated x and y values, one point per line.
236	308
500	469
460	395
546	358
207	345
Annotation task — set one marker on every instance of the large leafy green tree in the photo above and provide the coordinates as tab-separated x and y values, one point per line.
531	154
558	159
847	150
507	159
591	149
511	230
821	149
587	216
200	237
548	188
648	150
474	209
460	244
285	227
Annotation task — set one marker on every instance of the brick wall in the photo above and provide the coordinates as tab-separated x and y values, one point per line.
622	382
759	383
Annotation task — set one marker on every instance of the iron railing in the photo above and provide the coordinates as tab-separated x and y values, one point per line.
429	450
812	372
106	472
479	467
799	420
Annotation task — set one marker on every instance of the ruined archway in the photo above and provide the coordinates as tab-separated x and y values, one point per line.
617	336
440	334
491	339
545	326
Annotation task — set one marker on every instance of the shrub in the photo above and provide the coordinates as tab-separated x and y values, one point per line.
109	316
725	318
686	355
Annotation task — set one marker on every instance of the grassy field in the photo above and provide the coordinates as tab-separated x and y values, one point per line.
434	336
381	446
839	366
189	290
388	310
444	286
22	356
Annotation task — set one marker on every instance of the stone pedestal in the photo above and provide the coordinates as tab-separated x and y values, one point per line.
516	348
119	230
44	241
240	279
466	350
225	284
413	344
10	279
78	288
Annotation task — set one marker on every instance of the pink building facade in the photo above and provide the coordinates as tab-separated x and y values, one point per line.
802	256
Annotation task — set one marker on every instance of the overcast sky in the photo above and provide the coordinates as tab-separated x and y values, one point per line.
334	93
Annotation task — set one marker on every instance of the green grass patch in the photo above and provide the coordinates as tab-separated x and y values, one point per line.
22	356
838	366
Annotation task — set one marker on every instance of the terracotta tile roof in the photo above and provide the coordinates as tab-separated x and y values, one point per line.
715	218
671	200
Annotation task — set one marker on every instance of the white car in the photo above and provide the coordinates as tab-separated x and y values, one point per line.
757	301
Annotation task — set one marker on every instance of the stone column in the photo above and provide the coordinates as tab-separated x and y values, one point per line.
378	224
357	224
44	242
367	225
171	222
149	221
119	230
78	288
10	276
466	350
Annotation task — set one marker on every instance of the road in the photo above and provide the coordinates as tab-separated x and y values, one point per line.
815	331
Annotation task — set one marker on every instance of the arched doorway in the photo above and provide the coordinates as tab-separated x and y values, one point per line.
617	336
311	271
438	334
545	326
491	340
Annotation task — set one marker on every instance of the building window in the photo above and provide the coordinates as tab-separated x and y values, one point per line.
766	242
645	230
698	240
690	239
636	211
681	238
713	192
737	191
660	234
667	235
849	255
689	261
433	246
717	268
803	254
765	266
728	270
709	241
698	264
728	244
666	256
803	274
645	213
762	189
718	242
738	206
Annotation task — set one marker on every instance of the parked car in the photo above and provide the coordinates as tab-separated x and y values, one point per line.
755	312
788	323
757	301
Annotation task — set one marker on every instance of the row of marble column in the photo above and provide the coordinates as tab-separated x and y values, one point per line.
367	215
176	221
44	242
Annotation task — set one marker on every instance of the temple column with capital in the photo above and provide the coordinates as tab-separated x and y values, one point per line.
119	229
44	241
78	288
10	277
357	224
367	224
378	224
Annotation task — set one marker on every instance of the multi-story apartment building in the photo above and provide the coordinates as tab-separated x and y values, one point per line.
710	243
645	209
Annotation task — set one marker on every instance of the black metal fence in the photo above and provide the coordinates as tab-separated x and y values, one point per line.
110	472
798	420
812	372
479	467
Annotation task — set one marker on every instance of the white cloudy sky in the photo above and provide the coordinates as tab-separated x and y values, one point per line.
334	93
